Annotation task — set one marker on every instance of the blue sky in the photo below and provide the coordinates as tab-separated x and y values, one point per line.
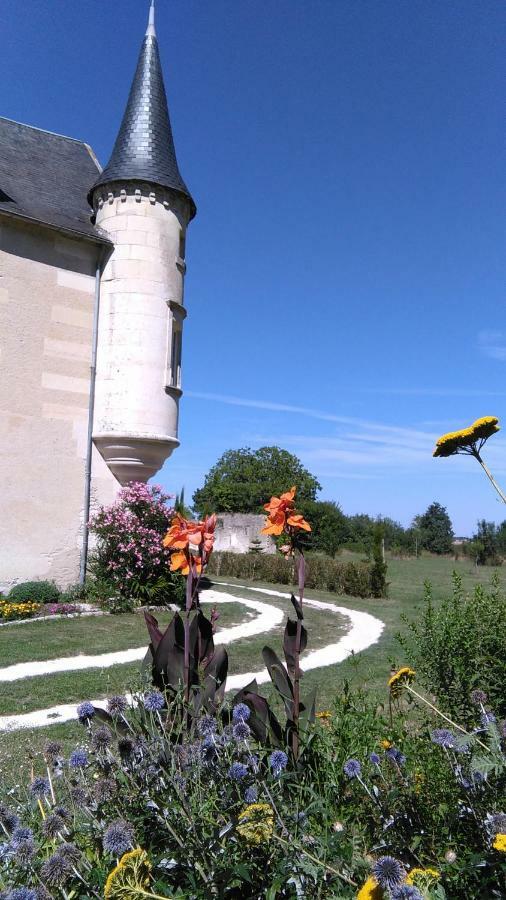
346	272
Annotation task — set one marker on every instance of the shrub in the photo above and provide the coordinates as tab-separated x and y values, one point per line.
322	572
379	566
459	645
35	591
130	563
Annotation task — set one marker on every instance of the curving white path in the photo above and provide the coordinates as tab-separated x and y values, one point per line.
365	630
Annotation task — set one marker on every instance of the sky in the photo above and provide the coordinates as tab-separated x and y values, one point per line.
345	283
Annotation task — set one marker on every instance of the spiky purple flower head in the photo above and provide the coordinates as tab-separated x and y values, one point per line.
352	768
278	761
56	870
126	746
154	701
118	837
22	893
78	759
102	738
21	834
40	787
117	705
395	756
443	737
206	725
241	730
406	892
241	711
53	751
388	872
374	758
8	818
70	852
478	697
237	771
85	712
52	825
251	794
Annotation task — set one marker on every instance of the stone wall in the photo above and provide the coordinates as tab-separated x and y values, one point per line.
47	286
236	531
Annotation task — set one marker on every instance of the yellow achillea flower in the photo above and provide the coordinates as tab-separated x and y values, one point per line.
256	823
324	717
467	439
422	878
370	890
397	681
130	878
500	843
386	744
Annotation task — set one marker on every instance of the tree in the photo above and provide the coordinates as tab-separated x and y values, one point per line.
484	547
379	566
243	480
329	525
436	532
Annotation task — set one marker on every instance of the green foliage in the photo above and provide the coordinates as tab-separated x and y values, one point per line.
486	544
379	567
461	645
36	591
243	480
435	528
322	572
329	526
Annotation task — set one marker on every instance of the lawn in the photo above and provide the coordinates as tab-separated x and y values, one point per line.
46	640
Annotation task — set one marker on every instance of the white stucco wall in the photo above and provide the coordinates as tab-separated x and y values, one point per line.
138	381
235	532
46	311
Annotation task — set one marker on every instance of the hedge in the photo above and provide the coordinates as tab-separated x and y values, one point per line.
322	572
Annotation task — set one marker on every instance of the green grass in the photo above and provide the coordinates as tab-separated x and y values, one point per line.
46	640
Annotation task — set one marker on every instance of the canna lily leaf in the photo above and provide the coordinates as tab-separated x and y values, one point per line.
168	659
290	643
280	679
297	607
154	631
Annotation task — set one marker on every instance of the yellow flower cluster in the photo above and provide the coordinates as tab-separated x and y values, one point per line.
17	610
465	440
256	823
399	679
130	878
370	890
324	717
500	843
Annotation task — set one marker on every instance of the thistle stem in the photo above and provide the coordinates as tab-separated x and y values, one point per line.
489	475
439	713
318	861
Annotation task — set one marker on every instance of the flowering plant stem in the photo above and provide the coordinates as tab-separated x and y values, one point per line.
439	713
301	570
489	475
319	862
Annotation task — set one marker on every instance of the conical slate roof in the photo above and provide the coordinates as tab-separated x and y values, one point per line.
144	148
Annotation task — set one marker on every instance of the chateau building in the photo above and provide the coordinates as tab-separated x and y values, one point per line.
92	266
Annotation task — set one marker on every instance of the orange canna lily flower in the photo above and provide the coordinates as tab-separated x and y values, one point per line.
297	521
280	504
180	562
275	523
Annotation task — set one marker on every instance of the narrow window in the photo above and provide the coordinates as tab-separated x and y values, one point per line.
175	354
182	244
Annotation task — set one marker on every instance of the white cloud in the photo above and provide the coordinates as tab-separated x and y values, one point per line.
493	344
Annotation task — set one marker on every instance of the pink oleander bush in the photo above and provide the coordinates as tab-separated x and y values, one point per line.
130	563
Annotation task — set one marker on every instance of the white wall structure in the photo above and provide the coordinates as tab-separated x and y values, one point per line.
236	532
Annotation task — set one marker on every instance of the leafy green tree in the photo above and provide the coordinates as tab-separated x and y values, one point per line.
243	480
379	566
436	532
329	525
485	544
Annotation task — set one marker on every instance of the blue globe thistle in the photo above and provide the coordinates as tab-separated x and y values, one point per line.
352	768
278	761
497	823
443	737
478	697
154	701
251	795
79	795
116	706
70	852
40	787
406	892
388	872
24	851
52	751
85	712
209	750
395	756
118	837
5	851
487	718
56	870
63	812
241	711
237	771
374	759
207	725
102	738
78	759
21	834
52	825
8	818
22	893
179	783
241	730
126	746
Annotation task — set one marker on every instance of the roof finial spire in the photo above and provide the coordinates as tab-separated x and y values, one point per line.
151	21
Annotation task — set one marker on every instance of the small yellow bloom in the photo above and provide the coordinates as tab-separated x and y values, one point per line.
422	878
129	877
256	823
370	890
324	717
386	744
400	678
500	843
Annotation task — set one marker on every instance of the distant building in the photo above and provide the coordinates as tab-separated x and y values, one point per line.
92	268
